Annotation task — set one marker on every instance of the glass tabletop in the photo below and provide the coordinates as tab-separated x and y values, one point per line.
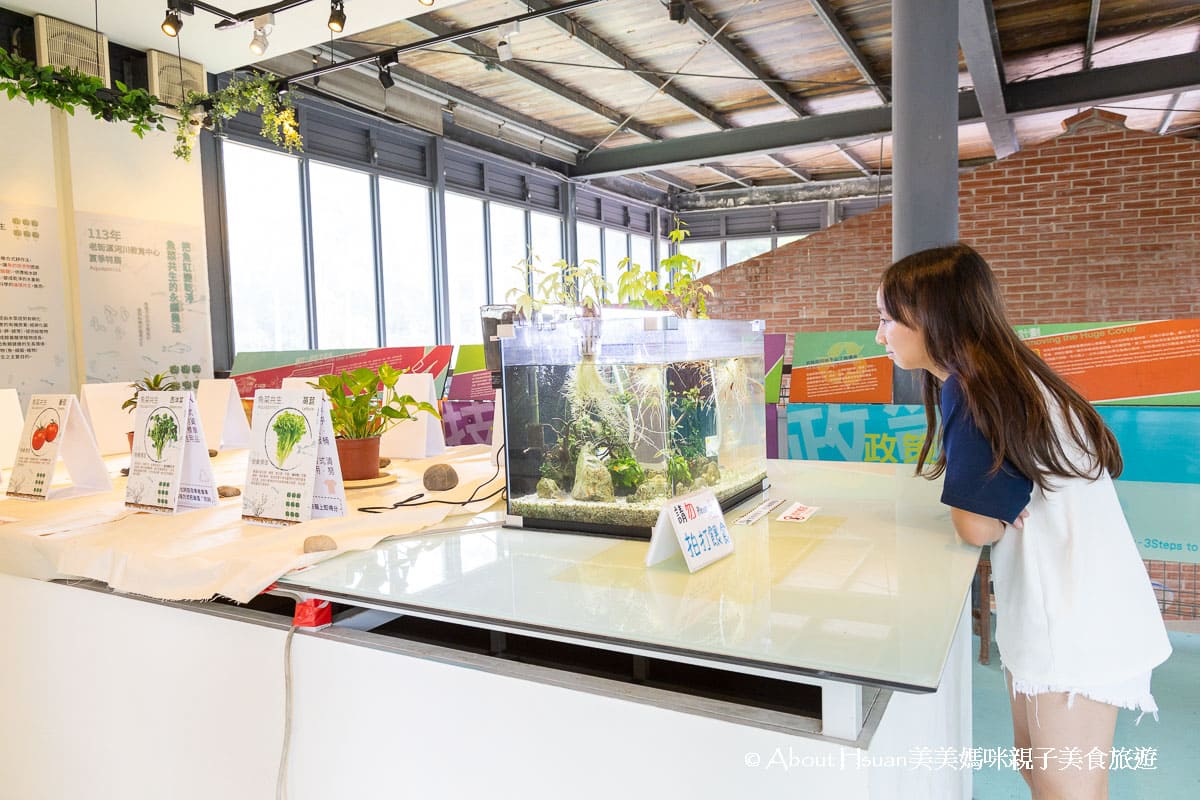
870	589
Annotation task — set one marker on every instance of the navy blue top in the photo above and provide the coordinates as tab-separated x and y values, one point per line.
968	483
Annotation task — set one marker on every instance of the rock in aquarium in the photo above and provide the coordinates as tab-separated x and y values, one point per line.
440	478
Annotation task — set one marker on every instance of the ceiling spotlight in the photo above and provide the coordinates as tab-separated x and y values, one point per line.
172	23
263	25
385	75
337	16
504	50
677	10
426	3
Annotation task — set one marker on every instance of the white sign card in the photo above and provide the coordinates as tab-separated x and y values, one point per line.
694	525
110	423
11	423
293	473
422	436
33	316
56	428
169	468
225	425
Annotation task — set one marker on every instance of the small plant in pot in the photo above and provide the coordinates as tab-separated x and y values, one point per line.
159	382
363	405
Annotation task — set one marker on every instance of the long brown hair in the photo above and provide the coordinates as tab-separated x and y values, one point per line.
950	295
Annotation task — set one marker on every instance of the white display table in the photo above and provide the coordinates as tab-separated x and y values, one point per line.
866	601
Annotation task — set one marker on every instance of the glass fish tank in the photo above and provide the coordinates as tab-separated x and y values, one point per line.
606	418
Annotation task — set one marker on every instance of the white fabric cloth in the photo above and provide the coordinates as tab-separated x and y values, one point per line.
194	555
1074	605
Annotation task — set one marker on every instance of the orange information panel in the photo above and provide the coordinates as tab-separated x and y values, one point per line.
857	380
1142	359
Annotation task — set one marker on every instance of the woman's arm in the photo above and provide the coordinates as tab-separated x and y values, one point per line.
979	530
975	528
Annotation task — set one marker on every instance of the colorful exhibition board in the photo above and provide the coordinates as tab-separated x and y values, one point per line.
434	360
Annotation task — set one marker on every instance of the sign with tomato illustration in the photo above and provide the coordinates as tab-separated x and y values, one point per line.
55	428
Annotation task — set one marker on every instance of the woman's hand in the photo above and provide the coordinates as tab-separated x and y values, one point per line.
1019	522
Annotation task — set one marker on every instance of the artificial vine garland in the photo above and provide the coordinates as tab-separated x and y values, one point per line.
258	92
68	89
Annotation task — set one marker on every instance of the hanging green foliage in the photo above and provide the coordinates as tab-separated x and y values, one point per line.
69	89
256	93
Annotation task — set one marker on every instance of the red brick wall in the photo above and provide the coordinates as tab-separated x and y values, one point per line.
1099	224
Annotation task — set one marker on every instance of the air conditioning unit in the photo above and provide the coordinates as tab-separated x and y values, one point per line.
63	44
170	78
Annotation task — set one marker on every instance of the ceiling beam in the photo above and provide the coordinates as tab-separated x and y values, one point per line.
1089	44
980	45
635	68
1179	73
827	15
794	193
1168	115
671	180
802	174
727	174
767	81
857	162
430	25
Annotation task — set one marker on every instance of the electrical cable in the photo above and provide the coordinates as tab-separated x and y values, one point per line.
281	777
408	501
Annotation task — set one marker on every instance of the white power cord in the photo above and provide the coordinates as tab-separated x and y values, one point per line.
281	778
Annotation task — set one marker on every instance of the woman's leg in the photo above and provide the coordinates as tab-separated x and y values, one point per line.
1020	726
1071	746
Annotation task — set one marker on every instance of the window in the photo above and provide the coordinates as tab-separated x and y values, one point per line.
466	264
589	242
343	257
408	305
738	250
508	249
707	253
266	249
780	241
547	242
640	253
616	248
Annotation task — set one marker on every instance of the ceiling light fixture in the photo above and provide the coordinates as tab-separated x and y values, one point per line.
677	10
426	3
385	75
263	25
337	16
504	46
171	23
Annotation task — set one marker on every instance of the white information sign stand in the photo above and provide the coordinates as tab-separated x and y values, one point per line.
110	424
55	427
11	423
224	421
293	473
169	468
422	436
694	525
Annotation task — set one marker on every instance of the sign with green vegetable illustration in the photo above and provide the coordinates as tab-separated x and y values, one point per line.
169	468
293	473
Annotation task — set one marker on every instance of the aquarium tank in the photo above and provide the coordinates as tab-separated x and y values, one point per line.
606	418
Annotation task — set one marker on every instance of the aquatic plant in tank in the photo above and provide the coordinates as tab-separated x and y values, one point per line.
608	417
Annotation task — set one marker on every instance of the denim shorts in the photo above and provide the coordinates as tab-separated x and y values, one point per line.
1133	693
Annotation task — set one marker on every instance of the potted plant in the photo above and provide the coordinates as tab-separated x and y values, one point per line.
159	382
363	405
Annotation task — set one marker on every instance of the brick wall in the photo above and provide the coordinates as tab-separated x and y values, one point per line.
1101	223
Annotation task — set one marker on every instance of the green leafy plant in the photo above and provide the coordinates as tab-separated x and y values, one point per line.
627	474
638	288
289	430
159	382
575	285
684	293
68	89
679	475
259	92
364	403
162	430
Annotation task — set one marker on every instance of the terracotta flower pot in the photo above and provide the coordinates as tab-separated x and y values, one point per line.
359	457
130	435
